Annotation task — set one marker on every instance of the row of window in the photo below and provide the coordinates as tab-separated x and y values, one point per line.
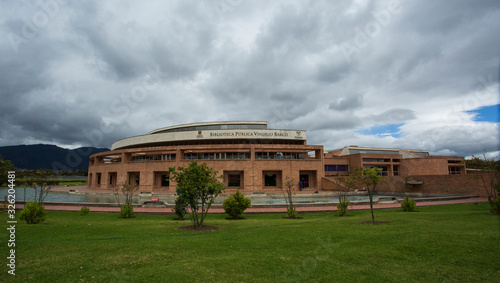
221	155
153	157
336	168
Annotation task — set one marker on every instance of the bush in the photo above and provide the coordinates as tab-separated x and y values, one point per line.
408	204
33	213
292	214
127	211
495	205
342	208
236	204
84	211
180	207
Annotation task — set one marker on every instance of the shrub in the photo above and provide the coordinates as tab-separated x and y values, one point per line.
236	204
292	214
342	208
84	211
127	211
180	207
495	205
408	204
33	213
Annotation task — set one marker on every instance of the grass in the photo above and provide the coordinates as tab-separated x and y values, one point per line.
436	244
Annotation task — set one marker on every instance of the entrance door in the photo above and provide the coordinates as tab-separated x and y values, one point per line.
305	178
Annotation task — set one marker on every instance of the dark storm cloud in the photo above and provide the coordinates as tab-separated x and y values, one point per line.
85	77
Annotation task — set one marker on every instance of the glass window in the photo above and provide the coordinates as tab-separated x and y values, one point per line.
233	180
336	168
165	181
270	180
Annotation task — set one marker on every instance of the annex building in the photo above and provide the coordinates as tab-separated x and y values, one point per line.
251	157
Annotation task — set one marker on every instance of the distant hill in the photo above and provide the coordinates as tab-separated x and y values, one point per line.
46	156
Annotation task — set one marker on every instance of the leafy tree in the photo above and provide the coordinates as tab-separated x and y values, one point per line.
288	190
370	177
236	204
5	166
199	185
489	173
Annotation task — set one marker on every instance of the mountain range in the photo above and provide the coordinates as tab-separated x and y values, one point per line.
47	156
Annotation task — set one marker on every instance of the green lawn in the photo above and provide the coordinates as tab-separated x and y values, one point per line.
436	244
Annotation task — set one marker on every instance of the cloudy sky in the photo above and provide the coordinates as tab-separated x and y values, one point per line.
400	74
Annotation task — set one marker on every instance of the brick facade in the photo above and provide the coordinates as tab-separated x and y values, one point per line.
260	160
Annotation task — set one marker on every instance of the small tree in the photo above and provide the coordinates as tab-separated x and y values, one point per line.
199	185
34	211
40	179
236	204
370	177
489	172
127	190
342	192
287	194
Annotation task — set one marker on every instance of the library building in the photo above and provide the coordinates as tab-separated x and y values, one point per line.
253	158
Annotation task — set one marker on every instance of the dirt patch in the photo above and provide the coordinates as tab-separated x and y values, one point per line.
201	228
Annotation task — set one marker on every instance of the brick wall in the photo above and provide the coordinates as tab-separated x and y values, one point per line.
469	184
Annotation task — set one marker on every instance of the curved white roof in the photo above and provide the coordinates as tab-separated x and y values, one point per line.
234	130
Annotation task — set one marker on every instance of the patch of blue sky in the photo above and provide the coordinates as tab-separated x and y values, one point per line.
383	130
487	114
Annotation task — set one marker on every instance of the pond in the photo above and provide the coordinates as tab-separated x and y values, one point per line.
138	199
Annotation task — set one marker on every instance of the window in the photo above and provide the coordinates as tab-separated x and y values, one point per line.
220	155
454	170
375	160
165	180
280	155
98	178
384	171
270	180
133	178
154	157
233	180
454	161
336	168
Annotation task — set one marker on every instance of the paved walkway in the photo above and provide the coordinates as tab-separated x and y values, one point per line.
215	209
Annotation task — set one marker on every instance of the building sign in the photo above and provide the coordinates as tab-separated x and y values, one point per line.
251	134
211	135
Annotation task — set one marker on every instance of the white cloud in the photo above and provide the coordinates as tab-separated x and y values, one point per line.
423	65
